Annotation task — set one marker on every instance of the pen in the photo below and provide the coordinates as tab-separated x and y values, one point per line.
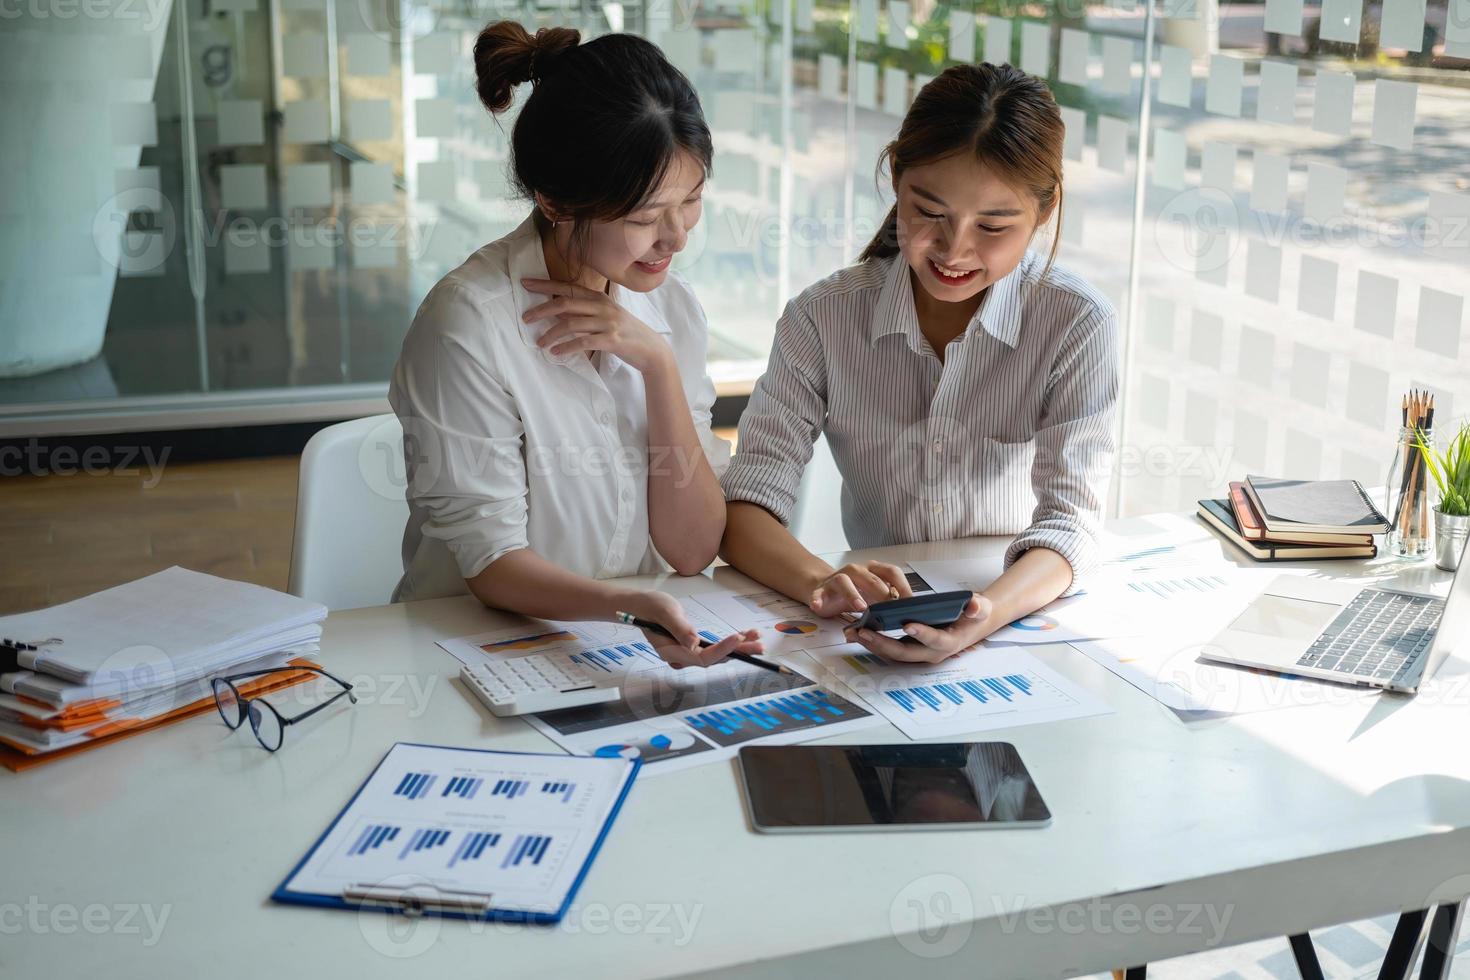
653	627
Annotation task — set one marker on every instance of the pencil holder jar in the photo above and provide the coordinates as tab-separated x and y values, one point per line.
1407	496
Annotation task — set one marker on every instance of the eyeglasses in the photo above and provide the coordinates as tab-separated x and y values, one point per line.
266	722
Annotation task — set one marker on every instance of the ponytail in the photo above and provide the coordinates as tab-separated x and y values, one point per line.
885	243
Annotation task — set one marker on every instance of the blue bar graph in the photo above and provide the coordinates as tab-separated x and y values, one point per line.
607	659
564	789
473	845
527	847
415	785
1168	588
423	839
707	635
372	836
982	690
787	712
465	787
511	788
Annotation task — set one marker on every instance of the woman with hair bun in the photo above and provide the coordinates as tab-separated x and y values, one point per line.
552	389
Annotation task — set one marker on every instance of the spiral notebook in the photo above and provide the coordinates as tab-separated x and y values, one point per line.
466	833
1314	506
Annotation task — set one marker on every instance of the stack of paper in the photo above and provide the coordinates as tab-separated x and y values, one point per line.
144	652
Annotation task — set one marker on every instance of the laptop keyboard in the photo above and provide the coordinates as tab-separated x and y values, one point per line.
1376	634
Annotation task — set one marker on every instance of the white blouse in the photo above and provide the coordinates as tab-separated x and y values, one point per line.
509	447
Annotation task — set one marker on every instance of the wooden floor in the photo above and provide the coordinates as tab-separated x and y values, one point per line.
66	536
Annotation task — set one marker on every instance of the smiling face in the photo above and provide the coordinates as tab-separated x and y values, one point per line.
960	227
636	250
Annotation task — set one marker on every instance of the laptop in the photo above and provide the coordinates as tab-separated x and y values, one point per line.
1338	631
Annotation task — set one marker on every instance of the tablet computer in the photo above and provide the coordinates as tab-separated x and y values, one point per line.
938	786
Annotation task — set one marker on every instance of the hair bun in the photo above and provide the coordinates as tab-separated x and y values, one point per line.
506	55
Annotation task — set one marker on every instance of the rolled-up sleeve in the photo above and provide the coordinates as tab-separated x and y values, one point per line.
779	427
1074	448
462	433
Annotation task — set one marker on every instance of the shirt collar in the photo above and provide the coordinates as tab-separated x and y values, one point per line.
999	314
526	260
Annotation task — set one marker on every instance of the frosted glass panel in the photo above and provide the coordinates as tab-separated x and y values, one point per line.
1301	186
1301	260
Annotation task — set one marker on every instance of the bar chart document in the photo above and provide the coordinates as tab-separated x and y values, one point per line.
977	691
1101	611
670	719
518	828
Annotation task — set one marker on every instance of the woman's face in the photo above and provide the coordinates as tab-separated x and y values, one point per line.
635	251
960	227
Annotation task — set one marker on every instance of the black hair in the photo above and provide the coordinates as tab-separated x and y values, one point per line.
604	122
1001	116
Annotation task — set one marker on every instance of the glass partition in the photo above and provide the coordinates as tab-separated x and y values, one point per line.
1304	241
240	203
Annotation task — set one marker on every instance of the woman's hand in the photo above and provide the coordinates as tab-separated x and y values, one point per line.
852	587
684	649
933	644
586	320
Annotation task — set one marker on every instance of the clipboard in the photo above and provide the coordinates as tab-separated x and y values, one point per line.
487	781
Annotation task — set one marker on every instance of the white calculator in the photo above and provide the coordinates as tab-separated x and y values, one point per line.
524	685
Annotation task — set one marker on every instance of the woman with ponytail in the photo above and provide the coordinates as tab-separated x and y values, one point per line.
552	389
966	385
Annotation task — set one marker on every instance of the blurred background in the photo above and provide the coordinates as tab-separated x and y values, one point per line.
224	212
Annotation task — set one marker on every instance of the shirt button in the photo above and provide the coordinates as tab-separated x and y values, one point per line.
937	444
936	508
606	418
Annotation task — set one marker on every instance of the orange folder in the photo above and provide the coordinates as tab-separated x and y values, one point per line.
17	758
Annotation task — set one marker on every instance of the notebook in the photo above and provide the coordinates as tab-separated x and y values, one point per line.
1218	514
466	833
1251	528
1314	506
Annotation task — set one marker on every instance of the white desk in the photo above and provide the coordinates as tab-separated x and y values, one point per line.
1272	823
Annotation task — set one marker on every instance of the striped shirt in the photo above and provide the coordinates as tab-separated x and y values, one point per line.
1011	434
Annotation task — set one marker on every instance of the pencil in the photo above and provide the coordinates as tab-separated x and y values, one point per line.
1400	514
704	644
1411	472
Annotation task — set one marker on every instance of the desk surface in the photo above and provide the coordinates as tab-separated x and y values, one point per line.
157	855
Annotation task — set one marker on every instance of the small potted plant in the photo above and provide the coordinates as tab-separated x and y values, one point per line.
1451	471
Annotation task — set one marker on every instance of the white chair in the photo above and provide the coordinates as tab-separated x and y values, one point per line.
350	514
817	522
